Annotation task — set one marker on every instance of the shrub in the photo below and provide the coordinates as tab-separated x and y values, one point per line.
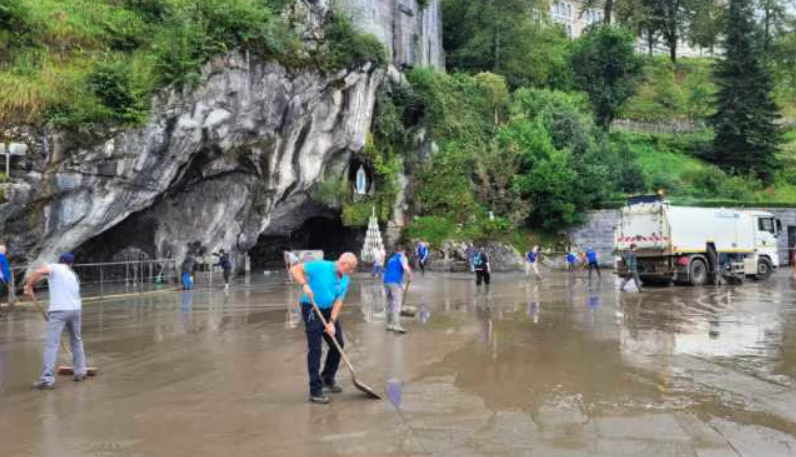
113	82
606	67
345	47
331	191
149	10
445	186
434	229
14	26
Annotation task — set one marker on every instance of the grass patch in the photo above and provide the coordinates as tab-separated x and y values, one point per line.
78	62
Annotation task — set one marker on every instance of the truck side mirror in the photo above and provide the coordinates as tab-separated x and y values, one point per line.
779	226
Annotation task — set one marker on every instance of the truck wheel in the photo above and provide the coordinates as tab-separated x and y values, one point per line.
698	272
764	270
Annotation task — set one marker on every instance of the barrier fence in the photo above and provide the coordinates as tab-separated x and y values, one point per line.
135	276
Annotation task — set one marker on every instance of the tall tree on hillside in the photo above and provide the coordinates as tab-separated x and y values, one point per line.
774	16
608	6
746	136
705	22
503	37
607	68
638	15
671	19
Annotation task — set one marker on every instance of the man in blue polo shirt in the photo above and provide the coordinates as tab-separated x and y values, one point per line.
594	264
532	262
397	266
327	284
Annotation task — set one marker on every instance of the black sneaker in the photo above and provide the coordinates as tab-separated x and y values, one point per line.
332	388
44	385
321	399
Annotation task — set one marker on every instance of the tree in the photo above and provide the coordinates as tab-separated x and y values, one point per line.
502	37
638	15
705	22
746	137
609	6
774	17
607	68
669	17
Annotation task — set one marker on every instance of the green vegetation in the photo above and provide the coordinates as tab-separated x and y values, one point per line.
606	67
747	138
78	62
504	38
670	91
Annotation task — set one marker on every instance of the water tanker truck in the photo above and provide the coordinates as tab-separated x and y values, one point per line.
688	245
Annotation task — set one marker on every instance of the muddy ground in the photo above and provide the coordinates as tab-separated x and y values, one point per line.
558	367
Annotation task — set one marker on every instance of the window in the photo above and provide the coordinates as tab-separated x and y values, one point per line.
563	10
766	225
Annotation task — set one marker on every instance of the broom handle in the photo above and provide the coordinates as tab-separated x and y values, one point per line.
333	338
47	319
406	291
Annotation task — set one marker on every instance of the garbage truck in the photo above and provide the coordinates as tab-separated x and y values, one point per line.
696	246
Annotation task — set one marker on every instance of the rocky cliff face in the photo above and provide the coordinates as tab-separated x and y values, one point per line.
411	32
220	165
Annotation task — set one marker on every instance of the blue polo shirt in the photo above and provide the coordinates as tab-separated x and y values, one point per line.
325	284
395	270
592	256
571	258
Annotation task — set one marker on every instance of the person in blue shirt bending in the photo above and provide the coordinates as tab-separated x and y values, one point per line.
532	262
591	257
572	261
397	266
325	283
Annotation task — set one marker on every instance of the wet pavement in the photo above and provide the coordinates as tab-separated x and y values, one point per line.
556	367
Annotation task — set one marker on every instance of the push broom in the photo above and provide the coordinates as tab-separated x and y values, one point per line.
63	370
364	388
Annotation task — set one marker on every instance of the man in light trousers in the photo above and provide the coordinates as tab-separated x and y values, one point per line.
397	266
64	312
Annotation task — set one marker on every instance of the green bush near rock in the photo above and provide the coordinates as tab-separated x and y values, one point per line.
65	60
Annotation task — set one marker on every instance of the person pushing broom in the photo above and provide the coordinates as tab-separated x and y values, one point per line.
325	283
64	311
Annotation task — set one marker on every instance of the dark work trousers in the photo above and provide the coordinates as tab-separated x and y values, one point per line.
482	276
315	332
227	272
594	266
632	274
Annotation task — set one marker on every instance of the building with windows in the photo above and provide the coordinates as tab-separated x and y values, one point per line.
570	15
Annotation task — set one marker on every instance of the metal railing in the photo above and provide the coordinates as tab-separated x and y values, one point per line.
132	276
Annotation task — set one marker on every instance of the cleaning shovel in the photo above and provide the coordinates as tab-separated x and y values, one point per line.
63	370
364	388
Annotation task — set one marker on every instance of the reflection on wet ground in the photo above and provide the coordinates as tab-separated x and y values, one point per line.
557	367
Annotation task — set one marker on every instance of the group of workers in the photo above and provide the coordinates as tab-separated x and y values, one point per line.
324	285
221	259
590	259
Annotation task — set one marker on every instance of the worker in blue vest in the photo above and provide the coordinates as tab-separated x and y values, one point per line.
591	257
422	256
572	261
397	267
532	262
